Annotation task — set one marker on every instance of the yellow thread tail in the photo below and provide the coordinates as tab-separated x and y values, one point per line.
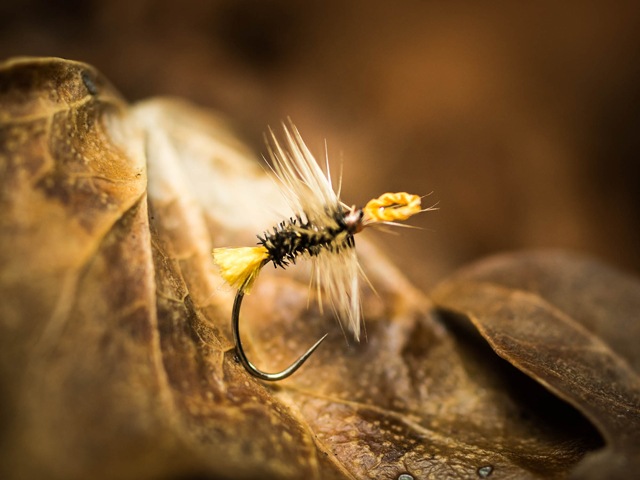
240	266
390	207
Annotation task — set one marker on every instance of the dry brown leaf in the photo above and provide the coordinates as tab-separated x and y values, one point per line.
571	324
115	351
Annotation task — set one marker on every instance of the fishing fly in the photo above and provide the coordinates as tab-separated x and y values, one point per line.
321	229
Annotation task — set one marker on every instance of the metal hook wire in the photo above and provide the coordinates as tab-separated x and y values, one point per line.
249	367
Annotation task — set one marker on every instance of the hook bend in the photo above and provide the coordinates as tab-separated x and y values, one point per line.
242	356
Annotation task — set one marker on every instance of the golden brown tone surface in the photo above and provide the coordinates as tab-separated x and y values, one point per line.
115	353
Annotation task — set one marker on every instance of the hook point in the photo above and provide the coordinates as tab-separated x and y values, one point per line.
241	355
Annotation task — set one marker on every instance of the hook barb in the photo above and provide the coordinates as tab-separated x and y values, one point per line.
242	356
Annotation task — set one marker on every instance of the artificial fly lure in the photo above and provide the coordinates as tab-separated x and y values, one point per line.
321	229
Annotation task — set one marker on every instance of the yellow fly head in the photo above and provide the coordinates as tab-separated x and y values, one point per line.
391	207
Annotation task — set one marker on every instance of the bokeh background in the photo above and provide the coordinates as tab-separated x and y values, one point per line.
522	119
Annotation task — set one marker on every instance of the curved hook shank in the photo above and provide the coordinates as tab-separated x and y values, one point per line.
270	377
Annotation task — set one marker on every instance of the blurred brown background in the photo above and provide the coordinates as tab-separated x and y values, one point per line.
523	120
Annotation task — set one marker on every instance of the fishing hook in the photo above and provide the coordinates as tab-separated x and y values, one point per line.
249	367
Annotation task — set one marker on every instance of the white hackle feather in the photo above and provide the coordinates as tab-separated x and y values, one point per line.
309	192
